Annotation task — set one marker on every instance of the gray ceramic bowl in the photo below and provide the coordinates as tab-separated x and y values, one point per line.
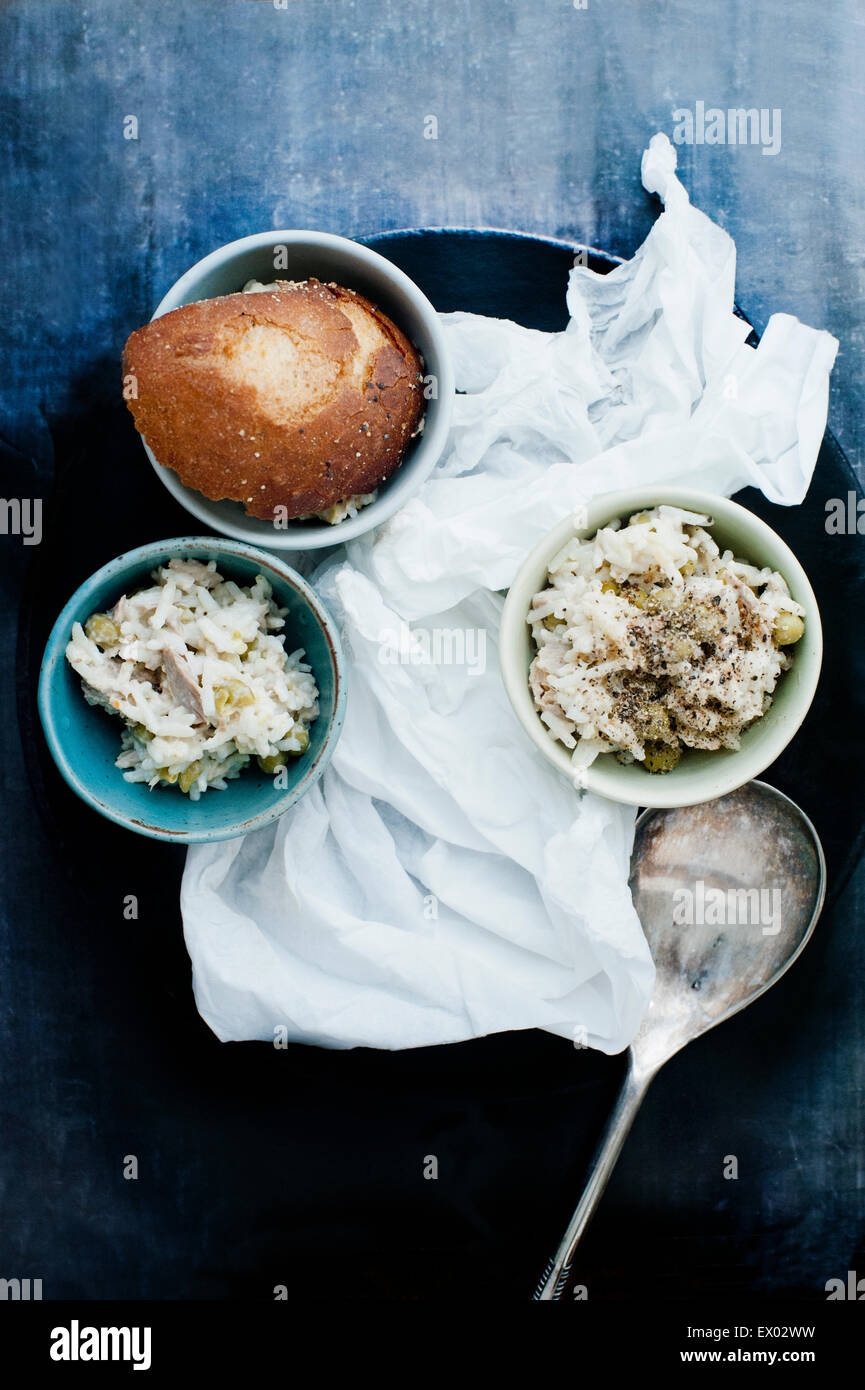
85	741
327	257
700	776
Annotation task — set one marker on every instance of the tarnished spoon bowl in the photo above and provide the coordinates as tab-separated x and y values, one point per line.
728	893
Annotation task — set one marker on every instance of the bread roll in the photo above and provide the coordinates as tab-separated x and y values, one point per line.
293	398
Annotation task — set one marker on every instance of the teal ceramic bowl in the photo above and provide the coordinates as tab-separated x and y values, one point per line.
85	741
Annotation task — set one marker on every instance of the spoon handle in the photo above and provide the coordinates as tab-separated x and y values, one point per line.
555	1277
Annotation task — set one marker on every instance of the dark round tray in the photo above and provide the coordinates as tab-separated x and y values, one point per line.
262	1166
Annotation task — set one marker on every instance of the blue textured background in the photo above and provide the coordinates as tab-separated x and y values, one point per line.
251	117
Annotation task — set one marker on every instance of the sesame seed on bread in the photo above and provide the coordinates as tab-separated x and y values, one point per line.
295	397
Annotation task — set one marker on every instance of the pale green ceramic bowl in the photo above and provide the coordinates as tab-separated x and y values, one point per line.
700	776
296	255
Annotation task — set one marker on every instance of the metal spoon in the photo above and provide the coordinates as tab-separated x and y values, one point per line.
728	893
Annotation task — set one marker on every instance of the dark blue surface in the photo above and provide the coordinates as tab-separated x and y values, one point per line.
256	1166
255	1163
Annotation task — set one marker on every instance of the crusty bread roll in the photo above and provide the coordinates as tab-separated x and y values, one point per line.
296	397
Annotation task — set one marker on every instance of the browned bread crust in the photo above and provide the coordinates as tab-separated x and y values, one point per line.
295	398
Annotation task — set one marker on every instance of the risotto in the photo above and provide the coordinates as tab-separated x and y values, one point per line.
196	668
651	641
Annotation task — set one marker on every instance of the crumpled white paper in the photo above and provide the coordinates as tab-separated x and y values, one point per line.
442	881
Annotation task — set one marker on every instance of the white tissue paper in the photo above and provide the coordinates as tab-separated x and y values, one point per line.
443	881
